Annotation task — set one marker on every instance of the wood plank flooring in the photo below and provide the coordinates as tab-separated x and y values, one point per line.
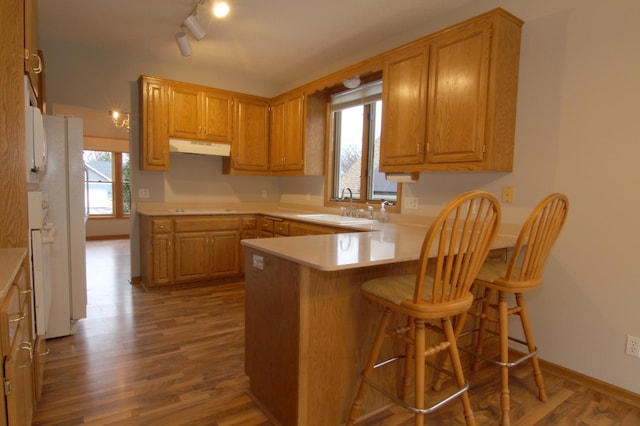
177	358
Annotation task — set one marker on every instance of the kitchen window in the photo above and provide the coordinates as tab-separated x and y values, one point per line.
354	154
107	182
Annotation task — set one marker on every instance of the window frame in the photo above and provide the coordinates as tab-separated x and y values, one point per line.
333	167
117	183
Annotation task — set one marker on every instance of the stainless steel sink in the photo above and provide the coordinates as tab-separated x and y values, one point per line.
336	219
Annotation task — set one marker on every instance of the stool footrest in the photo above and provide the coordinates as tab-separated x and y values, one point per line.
493	360
402	403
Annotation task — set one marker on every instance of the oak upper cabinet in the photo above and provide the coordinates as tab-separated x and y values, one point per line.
404	100
287	134
250	148
199	113
154	131
470	73
33	63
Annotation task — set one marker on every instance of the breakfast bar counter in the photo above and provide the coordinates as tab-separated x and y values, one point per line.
307	326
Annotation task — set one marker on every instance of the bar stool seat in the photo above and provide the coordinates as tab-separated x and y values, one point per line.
453	250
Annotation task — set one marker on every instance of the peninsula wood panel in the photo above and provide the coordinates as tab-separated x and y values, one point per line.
317	324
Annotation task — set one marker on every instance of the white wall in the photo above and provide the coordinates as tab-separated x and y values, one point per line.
577	132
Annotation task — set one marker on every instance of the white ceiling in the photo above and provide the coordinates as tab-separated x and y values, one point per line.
275	41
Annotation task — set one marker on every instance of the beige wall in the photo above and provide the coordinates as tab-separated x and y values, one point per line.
577	132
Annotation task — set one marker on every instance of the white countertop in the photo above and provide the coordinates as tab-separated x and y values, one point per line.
333	252
375	243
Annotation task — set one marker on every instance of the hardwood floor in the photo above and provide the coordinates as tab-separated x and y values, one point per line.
177	358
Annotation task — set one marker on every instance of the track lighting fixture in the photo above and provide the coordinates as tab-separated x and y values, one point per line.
194	26
220	9
183	43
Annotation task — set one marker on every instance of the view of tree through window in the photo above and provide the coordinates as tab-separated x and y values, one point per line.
107	181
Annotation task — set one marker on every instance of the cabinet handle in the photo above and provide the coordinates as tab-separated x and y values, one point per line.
28	291
27	346
19	316
38	68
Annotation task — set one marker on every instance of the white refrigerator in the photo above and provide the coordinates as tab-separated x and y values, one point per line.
63	180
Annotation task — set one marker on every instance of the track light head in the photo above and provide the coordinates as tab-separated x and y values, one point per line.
183	44
194	27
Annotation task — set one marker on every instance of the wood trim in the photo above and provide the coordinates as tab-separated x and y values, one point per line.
604	388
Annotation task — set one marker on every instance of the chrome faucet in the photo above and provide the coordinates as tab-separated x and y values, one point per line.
350	211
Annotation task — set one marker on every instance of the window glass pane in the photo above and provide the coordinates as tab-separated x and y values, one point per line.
126	188
99	180
349	150
381	189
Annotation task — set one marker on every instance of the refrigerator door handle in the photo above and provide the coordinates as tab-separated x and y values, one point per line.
87	209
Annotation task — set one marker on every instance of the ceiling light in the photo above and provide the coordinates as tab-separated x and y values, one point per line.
220	9
351	83
120	120
183	44
194	27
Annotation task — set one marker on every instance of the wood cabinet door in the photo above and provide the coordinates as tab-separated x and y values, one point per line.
162	258
184	112
293	148
154	134
191	254
223	253
458	90
250	150
33	64
217	117
18	381
404	100
287	134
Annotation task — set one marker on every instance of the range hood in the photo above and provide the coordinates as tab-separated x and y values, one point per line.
199	147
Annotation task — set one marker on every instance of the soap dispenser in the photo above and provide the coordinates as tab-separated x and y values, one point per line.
383	212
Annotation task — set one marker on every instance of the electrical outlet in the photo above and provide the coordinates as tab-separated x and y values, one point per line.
143	193
633	346
411	202
508	193
264	193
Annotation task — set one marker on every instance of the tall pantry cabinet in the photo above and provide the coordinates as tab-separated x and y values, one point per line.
17	31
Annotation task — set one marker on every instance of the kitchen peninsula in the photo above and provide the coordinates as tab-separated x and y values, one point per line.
307	326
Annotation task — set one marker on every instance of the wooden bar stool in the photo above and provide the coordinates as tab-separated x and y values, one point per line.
520	274
454	249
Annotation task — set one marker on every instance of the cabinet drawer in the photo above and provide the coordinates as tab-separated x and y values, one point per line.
266	224
160	226
10	318
249	223
281	228
206	224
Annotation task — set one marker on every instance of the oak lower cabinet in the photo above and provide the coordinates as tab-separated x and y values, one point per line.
186	249
17	347
204	255
459	113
